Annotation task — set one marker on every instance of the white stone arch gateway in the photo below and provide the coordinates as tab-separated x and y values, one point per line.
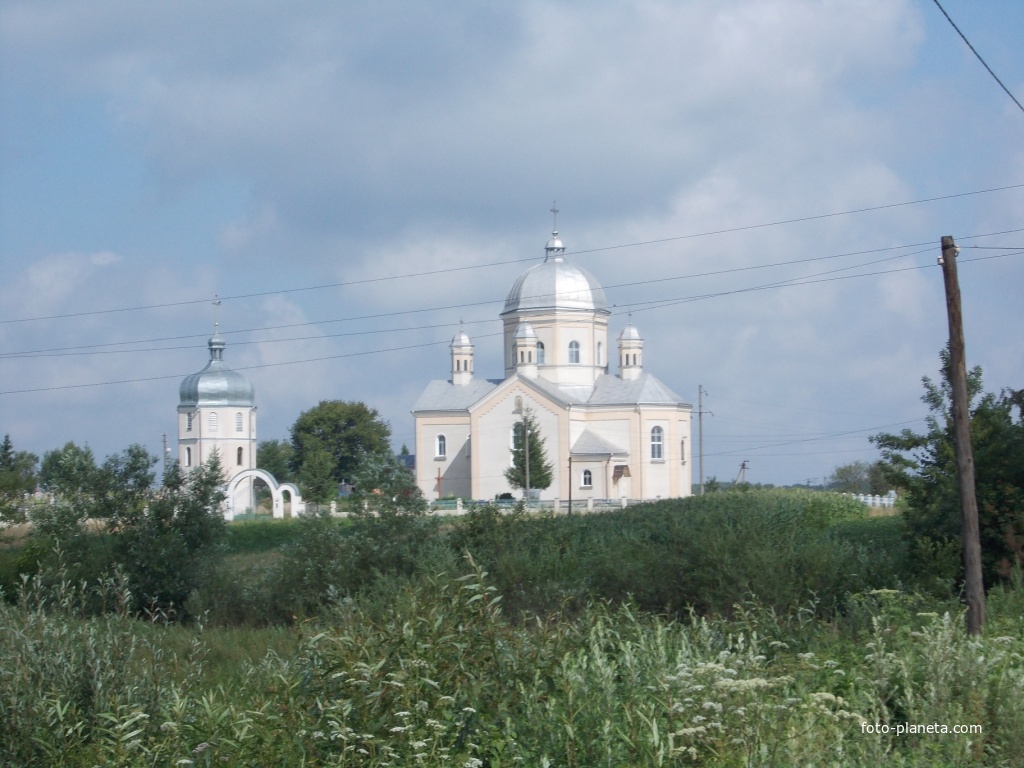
277	492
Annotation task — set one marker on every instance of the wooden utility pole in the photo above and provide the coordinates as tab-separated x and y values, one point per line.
526	449
700	432
973	587
570	486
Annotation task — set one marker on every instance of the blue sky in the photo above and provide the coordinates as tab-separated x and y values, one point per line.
157	156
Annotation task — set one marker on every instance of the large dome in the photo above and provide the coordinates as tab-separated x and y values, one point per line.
556	284
216	384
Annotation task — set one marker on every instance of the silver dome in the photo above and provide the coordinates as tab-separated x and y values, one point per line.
525	331
556	284
461	339
630	333
216	384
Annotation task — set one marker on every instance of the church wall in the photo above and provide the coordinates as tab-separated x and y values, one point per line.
492	426
455	466
226	439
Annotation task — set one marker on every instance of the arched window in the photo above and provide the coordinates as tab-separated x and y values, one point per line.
188	421
657	439
588	479
238	422
213	421
188	457
574	352
682	450
600	354
441	447
239	461
540	353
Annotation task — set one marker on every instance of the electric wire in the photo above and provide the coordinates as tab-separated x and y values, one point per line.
978	55
384	278
445	341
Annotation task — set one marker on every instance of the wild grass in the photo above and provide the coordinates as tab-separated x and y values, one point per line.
443	678
746	630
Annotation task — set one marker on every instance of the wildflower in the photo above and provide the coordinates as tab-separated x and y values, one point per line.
402	714
399	729
473	762
201	748
469	710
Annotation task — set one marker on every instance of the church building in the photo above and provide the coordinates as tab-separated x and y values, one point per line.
217	413
607	436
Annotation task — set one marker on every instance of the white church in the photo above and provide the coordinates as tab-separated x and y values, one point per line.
608	436
217	415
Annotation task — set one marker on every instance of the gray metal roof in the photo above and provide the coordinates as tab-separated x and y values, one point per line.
216	384
445	396
609	390
645	389
556	284
590	444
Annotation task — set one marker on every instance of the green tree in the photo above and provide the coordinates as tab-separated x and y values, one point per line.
346	430
858	477
924	465
166	548
540	467
275	457
69	470
317	477
17	477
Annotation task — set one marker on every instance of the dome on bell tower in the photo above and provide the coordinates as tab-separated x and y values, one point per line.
216	384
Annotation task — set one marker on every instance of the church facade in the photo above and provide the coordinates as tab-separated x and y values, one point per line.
607	436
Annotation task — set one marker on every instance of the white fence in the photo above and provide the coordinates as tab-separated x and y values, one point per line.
889	500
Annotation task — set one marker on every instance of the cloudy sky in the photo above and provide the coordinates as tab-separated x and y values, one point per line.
761	183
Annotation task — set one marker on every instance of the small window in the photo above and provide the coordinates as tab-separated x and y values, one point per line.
682	450
188	457
519	405
188	421
574	352
238	422
213	421
441	447
588	479
239	461
657	440
540	353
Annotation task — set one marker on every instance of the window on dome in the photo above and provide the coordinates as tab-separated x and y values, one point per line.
441	447
657	440
213	421
238	422
540	353
574	352
588	479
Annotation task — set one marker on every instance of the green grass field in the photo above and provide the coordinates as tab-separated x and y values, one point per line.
741	629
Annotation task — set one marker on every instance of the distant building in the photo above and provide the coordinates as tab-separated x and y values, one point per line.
217	413
628	435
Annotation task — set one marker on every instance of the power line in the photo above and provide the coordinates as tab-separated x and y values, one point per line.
443	341
742	228
978	55
48	352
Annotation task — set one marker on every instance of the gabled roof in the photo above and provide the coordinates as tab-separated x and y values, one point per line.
590	444
643	390
445	396
608	390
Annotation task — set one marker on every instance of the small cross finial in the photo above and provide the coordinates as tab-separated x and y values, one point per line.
554	216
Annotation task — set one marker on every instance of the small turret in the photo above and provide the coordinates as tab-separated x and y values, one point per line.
462	359
631	353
